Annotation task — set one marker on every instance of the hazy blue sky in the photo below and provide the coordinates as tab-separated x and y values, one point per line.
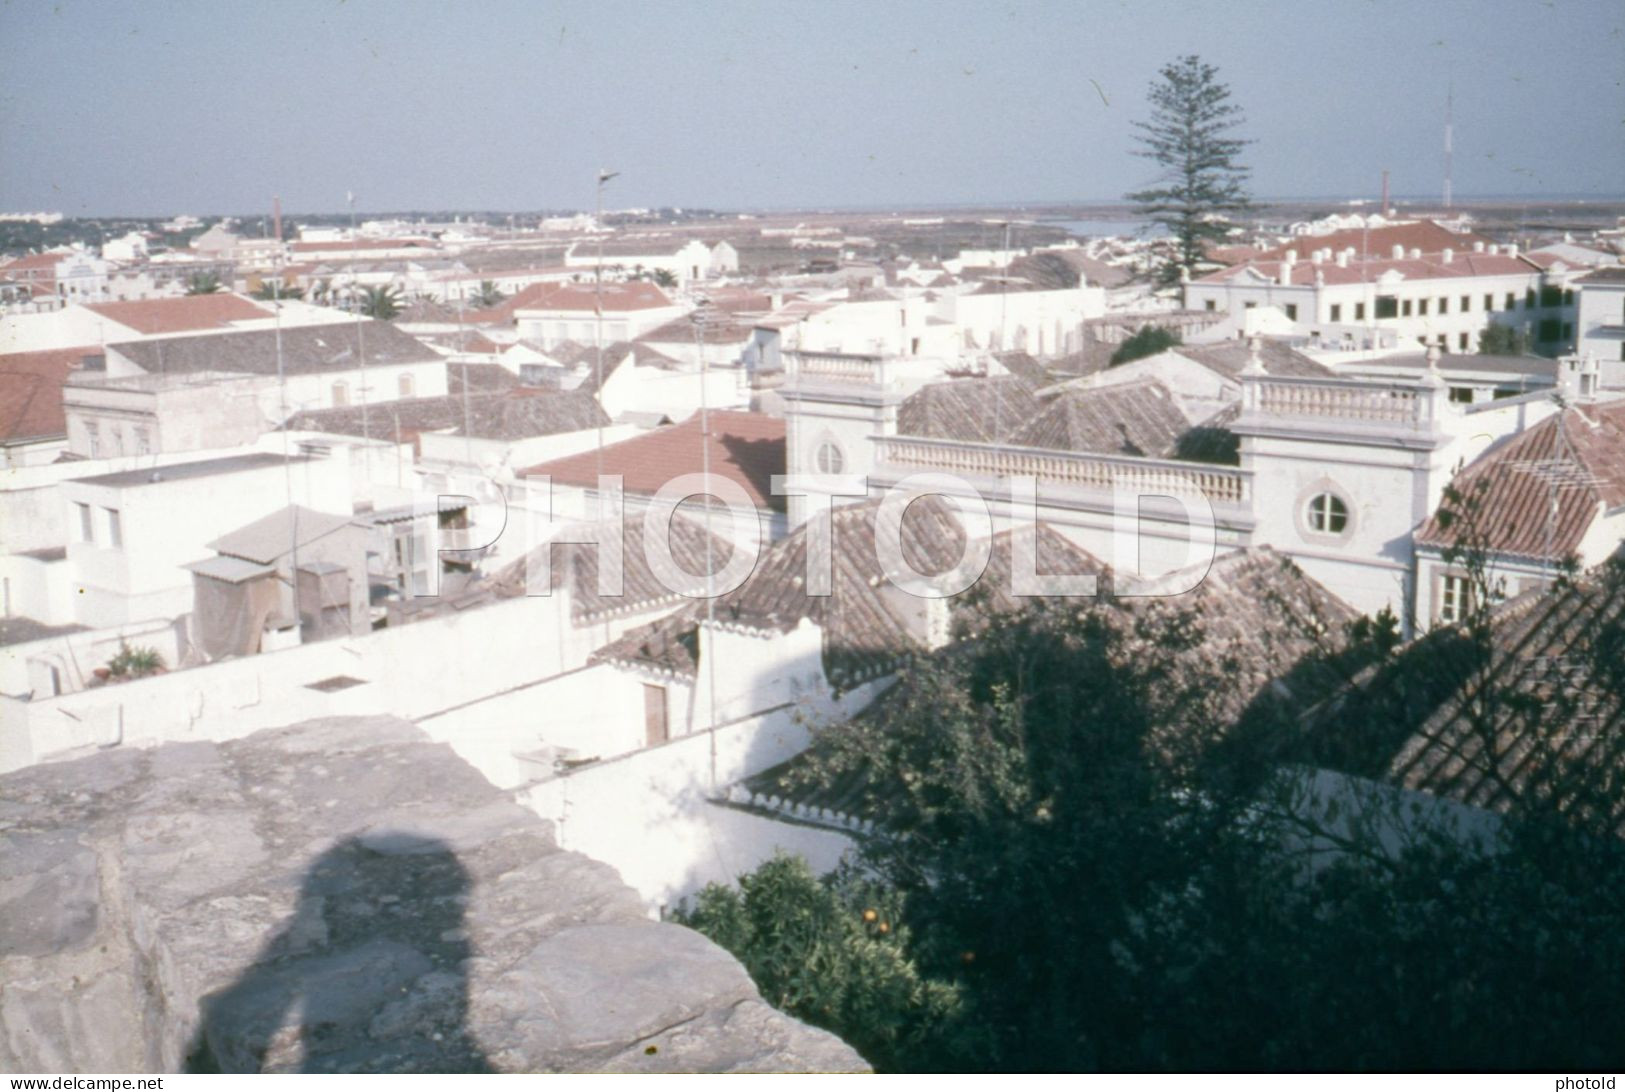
155	107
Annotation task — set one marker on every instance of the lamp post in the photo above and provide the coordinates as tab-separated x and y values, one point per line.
604	175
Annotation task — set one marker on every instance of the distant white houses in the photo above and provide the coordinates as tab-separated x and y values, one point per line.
686	259
1602	323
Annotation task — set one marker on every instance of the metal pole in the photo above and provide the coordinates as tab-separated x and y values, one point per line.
360	333
287	460
604	175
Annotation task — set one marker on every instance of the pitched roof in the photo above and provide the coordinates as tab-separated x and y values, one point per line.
515	414
31	392
1533	716
305	349
1138	418
1428	236
479	377
617	296
1425	268
273	536
575	565
1538	493
868	624
211	311
975	410
747	448
1229	358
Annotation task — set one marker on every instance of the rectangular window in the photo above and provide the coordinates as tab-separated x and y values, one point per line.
1359	312
1462	342
1466	304
1453	596
1461	394
1337	312
87	530
1292	311
1421	307
1249	305
115	529
1444	305
1529	298
1211	305
1512	301
1549	330
1551	296
93	438
1388	307
1489	301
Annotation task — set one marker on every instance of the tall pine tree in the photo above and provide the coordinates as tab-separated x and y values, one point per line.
1201	183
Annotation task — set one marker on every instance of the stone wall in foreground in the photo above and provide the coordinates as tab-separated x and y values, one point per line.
341	895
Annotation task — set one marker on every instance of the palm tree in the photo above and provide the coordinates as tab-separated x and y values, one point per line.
271	290
488	295
665	278
202	284
381	301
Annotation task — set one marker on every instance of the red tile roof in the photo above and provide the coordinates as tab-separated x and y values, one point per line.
1424	235
31	392
1538	494
214	311
1427	267
746	447
618	296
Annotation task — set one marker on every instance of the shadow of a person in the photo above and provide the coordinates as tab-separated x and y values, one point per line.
368	975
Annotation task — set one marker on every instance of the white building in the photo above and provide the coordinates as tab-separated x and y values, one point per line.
1602	323
549	314
1353	291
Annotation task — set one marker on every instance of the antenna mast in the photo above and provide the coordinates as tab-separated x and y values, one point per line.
1449	151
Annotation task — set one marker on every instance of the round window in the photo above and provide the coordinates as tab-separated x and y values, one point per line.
1328	514
829	459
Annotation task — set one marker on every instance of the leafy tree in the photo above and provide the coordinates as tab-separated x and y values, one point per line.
1202	182
665	278
831	953
134	662
381	301
1146	341
488	295
1497	339
202	284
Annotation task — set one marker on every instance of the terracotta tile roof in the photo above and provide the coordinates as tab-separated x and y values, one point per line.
720	327
31	392
216	310
617	296
479	377
305	349
516	414
868	624
969	409
1538	493
1427	267
576	565
745	447
1535	717
1228	358
1138	418
1424	235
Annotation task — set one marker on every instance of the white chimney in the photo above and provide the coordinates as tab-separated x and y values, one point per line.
1343	259
1495	248
1478	246
1416	253
1286	273
1399	252
1447	256
1512	250
1291	257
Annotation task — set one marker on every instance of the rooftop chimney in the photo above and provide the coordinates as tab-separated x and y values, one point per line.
1343	259
1512	250
1416	253
1478	246
1447	255
1495	248
1399	252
